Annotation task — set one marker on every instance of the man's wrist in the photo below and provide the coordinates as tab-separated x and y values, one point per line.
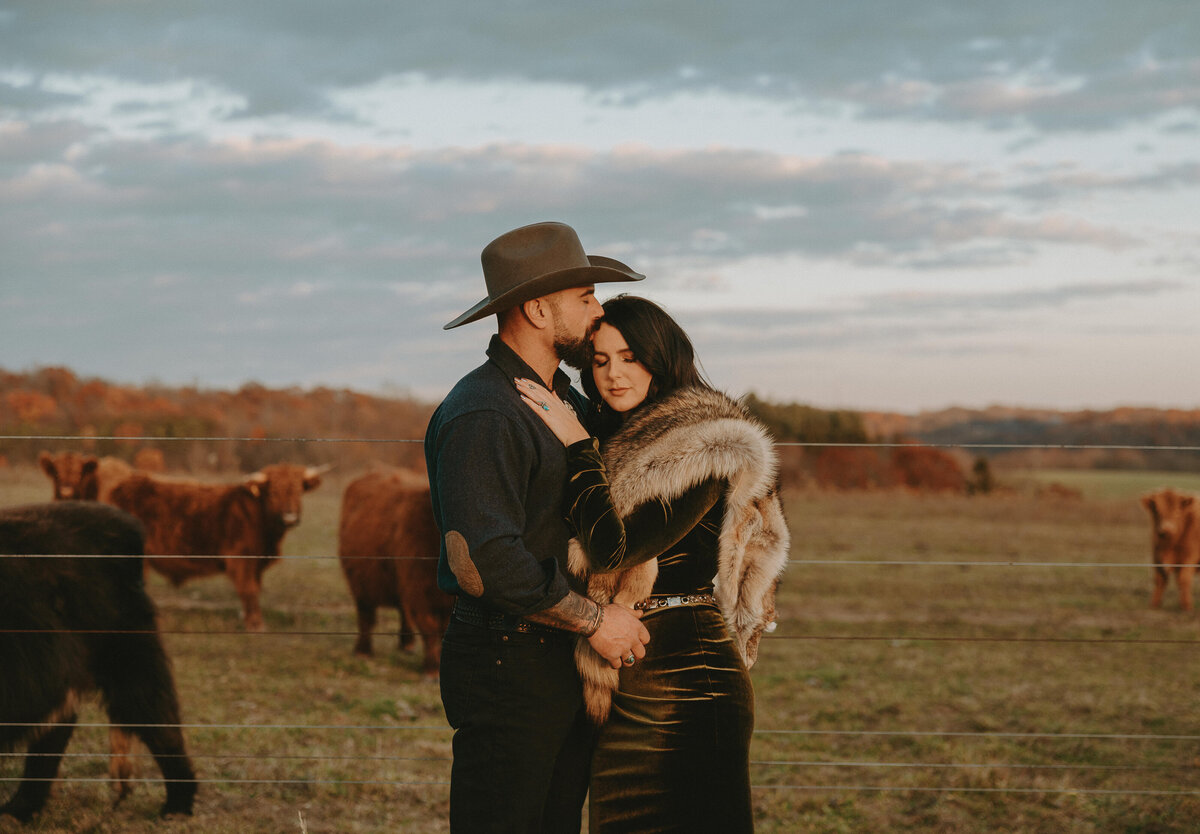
596	623
575	613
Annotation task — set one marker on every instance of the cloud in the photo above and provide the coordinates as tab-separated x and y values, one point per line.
300	190
881	314
272	211
1071	65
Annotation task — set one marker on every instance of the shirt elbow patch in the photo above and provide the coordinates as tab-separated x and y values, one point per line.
464	570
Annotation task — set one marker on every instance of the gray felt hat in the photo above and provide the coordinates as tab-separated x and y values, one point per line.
537	260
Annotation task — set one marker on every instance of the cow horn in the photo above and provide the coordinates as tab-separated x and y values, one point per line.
313	471
257	478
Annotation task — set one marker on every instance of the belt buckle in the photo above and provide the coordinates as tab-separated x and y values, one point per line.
671	602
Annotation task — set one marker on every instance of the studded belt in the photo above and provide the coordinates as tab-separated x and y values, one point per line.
474	614
670	601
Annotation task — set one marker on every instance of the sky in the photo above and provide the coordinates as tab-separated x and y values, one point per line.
869	205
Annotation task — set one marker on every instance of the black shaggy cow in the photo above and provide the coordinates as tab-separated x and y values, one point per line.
57	642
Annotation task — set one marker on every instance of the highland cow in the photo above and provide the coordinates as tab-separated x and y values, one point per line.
388	546
79	477
1175	539
195	529
76	625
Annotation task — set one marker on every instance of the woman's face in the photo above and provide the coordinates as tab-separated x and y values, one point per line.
623	381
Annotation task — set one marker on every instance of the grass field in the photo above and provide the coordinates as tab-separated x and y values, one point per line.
1113	485
1022	696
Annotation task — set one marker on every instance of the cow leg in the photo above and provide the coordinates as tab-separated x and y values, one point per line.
244	575
140	693
249	587
251	610
431	635
1186	573
41	766
366	626
166	744
407	631
1160	585
120	766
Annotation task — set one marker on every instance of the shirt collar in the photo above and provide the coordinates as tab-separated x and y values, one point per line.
509	361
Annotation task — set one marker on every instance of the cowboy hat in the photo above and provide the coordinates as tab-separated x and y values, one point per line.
537	260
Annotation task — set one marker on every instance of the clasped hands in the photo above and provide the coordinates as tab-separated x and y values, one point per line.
621	636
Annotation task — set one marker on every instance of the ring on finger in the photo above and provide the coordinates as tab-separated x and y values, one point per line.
628	661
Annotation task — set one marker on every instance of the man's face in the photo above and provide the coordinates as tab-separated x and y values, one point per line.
576	313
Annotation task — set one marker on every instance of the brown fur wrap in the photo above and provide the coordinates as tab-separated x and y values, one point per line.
662	451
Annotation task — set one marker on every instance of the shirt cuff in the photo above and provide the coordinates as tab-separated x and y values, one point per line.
583	447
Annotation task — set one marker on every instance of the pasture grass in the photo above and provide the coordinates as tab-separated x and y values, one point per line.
1113	484
1021	696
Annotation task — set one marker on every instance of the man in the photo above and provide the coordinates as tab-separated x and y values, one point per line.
522	743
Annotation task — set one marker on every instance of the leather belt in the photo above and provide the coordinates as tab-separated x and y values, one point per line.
671	601
475	614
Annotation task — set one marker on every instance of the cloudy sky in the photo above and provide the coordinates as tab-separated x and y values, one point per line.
878	205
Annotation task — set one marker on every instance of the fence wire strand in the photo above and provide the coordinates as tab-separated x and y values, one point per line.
896	639
1135	447
845	563
101	756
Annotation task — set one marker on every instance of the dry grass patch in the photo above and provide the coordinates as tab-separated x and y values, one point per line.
905	698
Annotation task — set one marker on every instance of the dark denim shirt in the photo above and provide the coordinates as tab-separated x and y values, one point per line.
496	475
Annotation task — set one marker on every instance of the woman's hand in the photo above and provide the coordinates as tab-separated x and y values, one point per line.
555	413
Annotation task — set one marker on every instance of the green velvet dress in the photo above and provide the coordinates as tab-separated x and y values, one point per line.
674	753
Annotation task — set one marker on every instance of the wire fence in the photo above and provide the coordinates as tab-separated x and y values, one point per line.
871	444
1185	764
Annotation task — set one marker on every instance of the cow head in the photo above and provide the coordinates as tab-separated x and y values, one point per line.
1171	513
279	488
73	474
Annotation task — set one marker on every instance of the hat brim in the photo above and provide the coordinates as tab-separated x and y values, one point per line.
602	271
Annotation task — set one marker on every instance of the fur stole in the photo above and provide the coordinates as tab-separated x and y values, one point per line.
657	455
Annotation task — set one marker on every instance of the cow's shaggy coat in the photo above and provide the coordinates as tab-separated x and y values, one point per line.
60	624
197	529
1175	539
78	477
388	547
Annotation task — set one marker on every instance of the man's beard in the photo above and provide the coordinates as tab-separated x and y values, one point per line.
575	353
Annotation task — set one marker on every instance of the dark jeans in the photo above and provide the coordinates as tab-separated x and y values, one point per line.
522	743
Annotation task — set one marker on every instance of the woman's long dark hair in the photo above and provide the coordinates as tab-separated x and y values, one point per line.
658	342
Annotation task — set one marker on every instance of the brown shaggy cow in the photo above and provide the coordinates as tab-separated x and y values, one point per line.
83	477
61	624
388	546
1176	540
212	525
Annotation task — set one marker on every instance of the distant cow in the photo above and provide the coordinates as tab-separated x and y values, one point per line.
1176	540
212	525
388	546
80	477
58	624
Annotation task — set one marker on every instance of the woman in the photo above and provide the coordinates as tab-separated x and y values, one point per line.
679	518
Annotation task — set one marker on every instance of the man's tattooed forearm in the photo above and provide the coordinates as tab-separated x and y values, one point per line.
575	613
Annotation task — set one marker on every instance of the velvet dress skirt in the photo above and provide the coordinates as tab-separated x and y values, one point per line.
674	753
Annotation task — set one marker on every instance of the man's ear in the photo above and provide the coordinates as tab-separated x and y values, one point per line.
537	313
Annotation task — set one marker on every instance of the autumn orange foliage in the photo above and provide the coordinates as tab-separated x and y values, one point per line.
190	429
